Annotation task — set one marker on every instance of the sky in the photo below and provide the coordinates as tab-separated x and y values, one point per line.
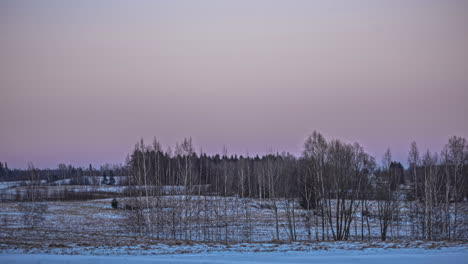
82	81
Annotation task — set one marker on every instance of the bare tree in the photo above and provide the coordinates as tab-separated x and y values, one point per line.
456	159
315	154
32	208
385	195
414	162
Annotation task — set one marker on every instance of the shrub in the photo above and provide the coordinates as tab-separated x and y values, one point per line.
115	203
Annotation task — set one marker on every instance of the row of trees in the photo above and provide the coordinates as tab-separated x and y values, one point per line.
440	188
333	191
62	172
341	187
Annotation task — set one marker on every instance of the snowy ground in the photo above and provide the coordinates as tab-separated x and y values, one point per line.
94	222
92	227
188	247
373	255
67	224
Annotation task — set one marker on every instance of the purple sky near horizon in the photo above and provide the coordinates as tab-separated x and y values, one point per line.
82	81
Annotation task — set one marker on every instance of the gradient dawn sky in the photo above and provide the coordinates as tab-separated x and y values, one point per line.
82	81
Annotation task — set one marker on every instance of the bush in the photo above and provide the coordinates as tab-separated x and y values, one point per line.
115	203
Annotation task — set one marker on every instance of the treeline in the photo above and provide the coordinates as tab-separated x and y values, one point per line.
225	174
62	172
340	186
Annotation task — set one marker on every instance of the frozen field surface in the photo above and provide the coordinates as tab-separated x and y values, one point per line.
400	256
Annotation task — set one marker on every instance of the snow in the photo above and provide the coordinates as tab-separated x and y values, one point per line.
11	184
187	247
400	256
97	179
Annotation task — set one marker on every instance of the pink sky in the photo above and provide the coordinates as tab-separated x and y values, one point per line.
82	81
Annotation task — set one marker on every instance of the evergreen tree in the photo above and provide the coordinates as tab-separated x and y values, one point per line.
104	179
111	178
6	170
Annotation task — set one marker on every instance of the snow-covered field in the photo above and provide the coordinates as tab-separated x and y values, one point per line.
92	231
68	224
12	184
95	222
367	256
11	191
